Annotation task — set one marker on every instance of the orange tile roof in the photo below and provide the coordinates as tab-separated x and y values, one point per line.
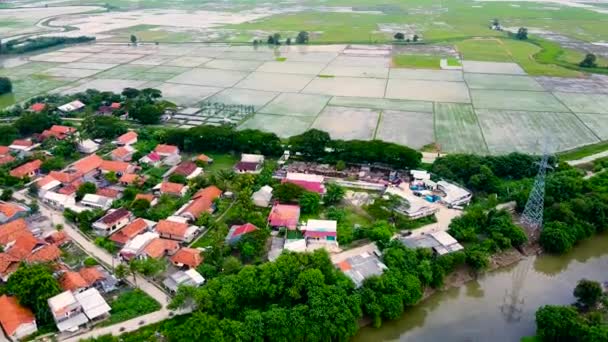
203	158
57	238
121	152
171	188
125	138
13	315
166	149
115	105
171	228
6	159
10	209
10	231
88	164
45	180
147	197
210	193
344	266
108	192
4	150
37	107
25	169
6	261
158	247
187	256
22	142
24	245
116	166
70	281
62	129
45	254
202	201
91	275
66	177
131	178
130	231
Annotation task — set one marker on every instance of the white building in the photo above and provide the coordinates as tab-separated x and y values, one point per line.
71	107
447	243
93	304
183	278
57	200
67	312
113	221
136	246
87	146
262	197
420	175
97	201
454	195
417	207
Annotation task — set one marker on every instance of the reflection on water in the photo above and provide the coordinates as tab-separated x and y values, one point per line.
499	306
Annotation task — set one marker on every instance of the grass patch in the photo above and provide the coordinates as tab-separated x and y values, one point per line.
221	161
416	61
130	304
530	339
454	62
584	151
294	234
281	59
326	76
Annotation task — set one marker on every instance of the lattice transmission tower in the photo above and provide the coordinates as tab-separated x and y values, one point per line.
532	217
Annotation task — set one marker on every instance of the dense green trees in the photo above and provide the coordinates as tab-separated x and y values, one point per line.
17	46
33	285
588	293
522	33
302	38
85	188
8	133
105	127
288	192
334	194
30	123
310	202
590	61
6	86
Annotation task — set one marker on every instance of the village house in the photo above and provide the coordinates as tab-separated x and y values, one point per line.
58	201
159	248
262	197
113	221
16	320
204	159
93	304
237	231
29	169
123	153
310	182
5	156
87	277
187	258
72	281
250	163
148	197
127	139
183	278
167	154
134	228
132	179
71	107
67	312
96	201
87	166
87	146
187	169
109	193
153	159
37	107
23	146
362	266
118	167
58	132
10	211
136	245
284	216
8	266
201	202
172	189
178	231
321	231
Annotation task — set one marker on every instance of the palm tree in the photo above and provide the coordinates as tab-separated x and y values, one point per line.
133	269
121	271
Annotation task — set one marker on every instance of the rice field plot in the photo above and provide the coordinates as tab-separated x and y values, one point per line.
354	61
209	77
439	91
27	69
492	67
457	129
503	82
598	123
508	131
291	104
304	55
188	61
267	81
356	71
406	128
246	97
30	86
251	56
126	72
288	67
233	64
60	57
348	123
90	66
153	60
69	73
385	104
347	86
186	95
104	84
585	103
594	85
427	75
282	126
516	100
112	58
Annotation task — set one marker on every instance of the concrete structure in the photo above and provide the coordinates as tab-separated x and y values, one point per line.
96	201
71	107
310	182
113	221
440	242
87	146
262	197
136	246
16	320
321	231
10	211
415	207
67	312
93	304
58	201
183	278
360	267
454	195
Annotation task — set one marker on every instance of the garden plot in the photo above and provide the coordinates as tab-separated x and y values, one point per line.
457	129
426	75
90	66
275	82
508	131
186	95
492	68
353	61
585	103
598	123
439	91
113	85
187	61
59	57
153	60
516	100
70	73
26	69
282	126
247	97
366	102
111	58
594	85
406	128
348	123
504	82
234	64
347	86
287	67
373	72
296	105
209	77
312	57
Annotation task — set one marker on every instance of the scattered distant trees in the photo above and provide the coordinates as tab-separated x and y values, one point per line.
522	33
6	86
415	38
399	36
274	39
302	38
133	39
288	41
590	61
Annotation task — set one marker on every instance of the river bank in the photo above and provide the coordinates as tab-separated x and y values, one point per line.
500	304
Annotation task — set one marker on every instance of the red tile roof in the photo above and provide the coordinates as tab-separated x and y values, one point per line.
202	157
115	105
45	254
158	247
7	264
57	238
10	209
108	192
244	229
27	168
88	164
153	156
91	274
37	107
6	159
116	166
147	197
4	150
22	142
202	201
65	177
187	256
345	266
63	129
171	228
125	138
171	188
247	166
282	215
121	152
210	193
24	245
185	169
115	216
166	149
13	315
70	281
10	231
131	178
133	229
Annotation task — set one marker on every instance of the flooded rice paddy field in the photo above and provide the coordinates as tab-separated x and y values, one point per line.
350	91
